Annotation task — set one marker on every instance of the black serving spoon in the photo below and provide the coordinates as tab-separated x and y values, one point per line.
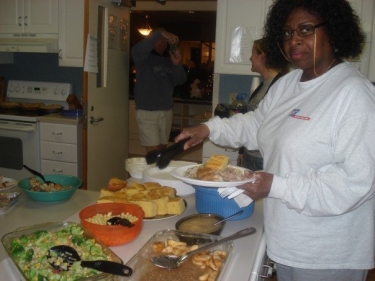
62	258
37	174
164	156
121	221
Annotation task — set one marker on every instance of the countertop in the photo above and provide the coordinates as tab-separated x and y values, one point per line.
28	212
60	119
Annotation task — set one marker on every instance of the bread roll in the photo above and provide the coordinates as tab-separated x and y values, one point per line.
175	206
151	197
217	162
116	184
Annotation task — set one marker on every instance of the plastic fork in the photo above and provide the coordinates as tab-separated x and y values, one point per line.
227	192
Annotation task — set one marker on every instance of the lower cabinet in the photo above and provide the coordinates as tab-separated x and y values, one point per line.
61	149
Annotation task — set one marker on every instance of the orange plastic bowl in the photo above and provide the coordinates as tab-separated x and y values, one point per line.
112	235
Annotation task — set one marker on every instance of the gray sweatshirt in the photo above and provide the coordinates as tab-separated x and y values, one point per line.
317	138
156	76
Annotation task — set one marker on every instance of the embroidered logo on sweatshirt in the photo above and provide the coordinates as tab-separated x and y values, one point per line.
294	114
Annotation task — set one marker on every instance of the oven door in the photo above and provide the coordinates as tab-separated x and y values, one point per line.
19	144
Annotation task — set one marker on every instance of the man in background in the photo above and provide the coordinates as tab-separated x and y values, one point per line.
159	70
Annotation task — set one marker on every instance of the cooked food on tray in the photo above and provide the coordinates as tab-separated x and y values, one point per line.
154	199
210	262
216	169
51	106
30	253
9	105
37	185
6	182
30	105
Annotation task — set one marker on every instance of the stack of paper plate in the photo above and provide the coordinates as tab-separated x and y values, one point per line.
164	177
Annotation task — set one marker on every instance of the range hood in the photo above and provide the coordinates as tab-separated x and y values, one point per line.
29	43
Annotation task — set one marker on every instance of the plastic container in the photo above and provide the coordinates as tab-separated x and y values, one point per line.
53	196
239	105
208	200
112	235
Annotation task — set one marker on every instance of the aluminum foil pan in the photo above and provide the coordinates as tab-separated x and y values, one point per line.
7	200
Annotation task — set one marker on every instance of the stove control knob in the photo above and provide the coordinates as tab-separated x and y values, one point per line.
56	91
63	92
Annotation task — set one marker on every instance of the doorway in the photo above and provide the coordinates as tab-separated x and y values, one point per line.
196	32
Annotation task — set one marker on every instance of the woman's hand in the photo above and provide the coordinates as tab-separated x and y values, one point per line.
260	188
197	134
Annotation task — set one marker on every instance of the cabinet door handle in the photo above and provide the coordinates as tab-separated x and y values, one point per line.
60	54
25	21
19	21
56	134
56	152
58	171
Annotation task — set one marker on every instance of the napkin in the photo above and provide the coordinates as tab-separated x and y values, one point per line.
242	200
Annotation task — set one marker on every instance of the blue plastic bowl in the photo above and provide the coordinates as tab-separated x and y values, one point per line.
208	200
55	196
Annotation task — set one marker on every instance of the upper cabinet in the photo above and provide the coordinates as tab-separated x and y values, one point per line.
29	16
238	24
71	21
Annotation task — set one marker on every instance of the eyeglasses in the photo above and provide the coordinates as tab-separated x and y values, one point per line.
302	31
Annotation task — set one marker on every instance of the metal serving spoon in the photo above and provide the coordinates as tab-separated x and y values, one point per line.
62	258
172	261
227	218
37	174
121	221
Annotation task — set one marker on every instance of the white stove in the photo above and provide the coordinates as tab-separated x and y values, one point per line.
19	129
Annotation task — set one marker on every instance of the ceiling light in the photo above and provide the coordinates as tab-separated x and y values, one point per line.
146	30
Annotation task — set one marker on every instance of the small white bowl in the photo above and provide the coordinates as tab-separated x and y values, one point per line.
136	165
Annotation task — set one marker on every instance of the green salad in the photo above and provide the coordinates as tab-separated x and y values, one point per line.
30	253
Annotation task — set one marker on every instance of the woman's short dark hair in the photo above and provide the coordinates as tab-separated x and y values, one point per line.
281	66
343	26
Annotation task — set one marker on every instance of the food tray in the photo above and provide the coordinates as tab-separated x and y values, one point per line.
7	200
54	227
144	270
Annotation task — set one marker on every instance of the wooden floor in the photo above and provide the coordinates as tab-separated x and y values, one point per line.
370	276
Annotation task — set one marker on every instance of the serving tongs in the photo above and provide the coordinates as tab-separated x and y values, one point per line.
162	157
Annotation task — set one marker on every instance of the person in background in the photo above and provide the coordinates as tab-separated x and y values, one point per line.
271	72
316	131
158	72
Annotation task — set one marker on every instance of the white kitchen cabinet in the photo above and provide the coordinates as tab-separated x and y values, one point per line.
61	151
71	20
29	16
238	24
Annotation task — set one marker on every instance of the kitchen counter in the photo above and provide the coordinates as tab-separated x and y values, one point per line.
60	119
27	212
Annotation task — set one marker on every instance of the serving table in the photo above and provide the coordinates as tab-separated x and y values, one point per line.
242	265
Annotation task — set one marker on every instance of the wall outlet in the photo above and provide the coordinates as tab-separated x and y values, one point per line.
232	97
